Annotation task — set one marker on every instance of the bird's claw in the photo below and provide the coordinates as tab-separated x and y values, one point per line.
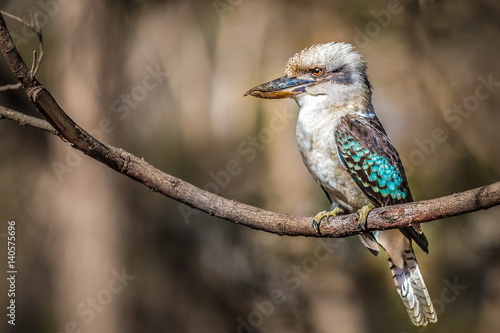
321	215
363	215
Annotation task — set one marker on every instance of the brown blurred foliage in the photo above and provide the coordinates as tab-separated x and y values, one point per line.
164	80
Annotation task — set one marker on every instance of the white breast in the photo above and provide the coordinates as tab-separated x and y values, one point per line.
315	138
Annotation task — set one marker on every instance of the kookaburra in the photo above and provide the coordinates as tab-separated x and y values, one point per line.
348	152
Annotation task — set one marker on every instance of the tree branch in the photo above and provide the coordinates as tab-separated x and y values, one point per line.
37	60
23	119
121	161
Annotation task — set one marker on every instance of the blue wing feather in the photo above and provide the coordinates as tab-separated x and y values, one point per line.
371	159
368	155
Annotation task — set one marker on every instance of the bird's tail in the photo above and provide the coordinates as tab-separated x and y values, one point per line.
412	290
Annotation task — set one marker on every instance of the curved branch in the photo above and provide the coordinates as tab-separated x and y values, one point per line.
121	161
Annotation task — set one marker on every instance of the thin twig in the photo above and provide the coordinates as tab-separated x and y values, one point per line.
38	30
13	86
25	120
35	26
14	17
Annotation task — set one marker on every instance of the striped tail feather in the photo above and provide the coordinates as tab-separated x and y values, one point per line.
412	290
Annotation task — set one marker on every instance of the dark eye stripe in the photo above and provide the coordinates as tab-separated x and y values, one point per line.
338	70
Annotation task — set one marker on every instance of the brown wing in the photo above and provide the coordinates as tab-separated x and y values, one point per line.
374	164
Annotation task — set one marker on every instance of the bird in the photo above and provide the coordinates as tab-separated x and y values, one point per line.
347	151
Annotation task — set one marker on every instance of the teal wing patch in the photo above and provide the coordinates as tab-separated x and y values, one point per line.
368	155
371	160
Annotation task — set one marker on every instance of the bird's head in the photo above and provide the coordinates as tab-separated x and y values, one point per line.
332	70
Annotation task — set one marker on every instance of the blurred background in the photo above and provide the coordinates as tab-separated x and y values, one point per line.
97	252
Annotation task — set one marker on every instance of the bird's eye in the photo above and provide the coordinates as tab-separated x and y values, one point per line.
317	71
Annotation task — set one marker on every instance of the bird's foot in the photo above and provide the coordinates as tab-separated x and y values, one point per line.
324	214
363	215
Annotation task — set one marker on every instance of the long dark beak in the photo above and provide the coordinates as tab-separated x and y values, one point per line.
282	87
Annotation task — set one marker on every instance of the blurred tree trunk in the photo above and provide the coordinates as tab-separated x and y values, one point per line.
87	242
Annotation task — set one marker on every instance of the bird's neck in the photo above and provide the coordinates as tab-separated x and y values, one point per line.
317	120
344	99
319	114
